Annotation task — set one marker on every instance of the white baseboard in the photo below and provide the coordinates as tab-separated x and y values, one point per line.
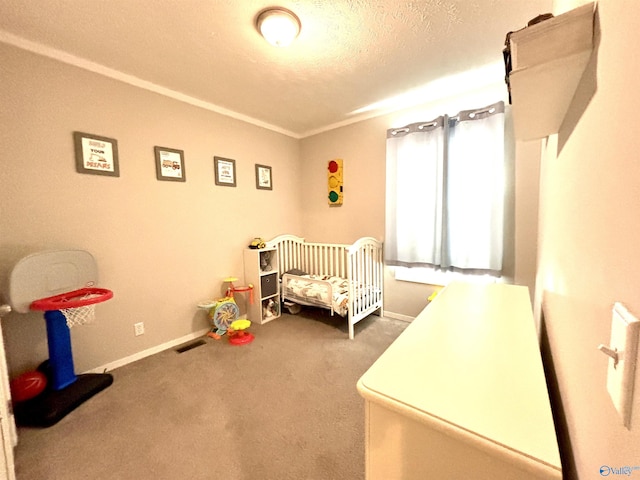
146	353
398	316
178	341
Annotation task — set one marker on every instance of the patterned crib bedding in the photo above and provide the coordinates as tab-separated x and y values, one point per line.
318	290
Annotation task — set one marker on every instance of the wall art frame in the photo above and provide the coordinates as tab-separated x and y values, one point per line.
170	164
264	179
225	171
96	155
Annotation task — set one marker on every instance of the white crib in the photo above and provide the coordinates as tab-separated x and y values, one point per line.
361	264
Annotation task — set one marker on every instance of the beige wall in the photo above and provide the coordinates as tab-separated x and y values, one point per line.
162	247
589	243
160	263
362	147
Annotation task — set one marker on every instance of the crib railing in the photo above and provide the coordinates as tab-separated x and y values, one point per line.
313	258
366	276
290	252
325	259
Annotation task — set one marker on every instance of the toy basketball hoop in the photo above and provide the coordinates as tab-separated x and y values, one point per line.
78	306
60	283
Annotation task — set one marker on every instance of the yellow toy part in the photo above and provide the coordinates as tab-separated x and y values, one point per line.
238	334
241	324
433	295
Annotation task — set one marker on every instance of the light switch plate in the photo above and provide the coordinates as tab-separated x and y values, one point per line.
621	374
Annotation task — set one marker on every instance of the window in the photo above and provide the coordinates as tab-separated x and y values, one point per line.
446	193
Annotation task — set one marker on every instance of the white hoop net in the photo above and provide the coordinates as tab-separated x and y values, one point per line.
80	315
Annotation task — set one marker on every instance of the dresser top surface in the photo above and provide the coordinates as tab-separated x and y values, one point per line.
471	360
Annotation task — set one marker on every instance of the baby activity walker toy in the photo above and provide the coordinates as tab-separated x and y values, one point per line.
224	313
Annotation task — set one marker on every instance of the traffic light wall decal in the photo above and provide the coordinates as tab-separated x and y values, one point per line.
334	178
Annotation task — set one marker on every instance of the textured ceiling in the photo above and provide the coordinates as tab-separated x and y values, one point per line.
349	54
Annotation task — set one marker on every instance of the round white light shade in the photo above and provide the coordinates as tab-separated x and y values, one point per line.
278	26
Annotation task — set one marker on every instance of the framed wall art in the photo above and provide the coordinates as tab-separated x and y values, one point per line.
170	164
96	155
225	171
264	180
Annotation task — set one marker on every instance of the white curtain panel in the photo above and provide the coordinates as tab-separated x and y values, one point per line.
446	192
415	193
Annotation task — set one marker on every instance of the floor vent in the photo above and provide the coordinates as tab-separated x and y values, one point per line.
189	346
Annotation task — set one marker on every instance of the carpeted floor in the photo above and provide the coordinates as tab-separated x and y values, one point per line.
282	407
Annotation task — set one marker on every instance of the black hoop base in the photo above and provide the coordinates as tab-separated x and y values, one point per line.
51	406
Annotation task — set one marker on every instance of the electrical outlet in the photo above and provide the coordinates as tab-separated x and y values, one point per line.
139	328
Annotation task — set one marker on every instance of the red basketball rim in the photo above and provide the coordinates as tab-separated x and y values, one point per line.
77	298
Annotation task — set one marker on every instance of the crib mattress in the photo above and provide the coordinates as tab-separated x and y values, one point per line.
316	290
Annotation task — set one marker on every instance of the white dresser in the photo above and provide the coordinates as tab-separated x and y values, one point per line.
462	393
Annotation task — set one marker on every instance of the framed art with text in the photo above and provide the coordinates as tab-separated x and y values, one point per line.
225	171
96	154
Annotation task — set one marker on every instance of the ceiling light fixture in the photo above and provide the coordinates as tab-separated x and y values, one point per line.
278	26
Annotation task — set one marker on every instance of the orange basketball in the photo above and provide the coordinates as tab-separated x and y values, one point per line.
27	386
